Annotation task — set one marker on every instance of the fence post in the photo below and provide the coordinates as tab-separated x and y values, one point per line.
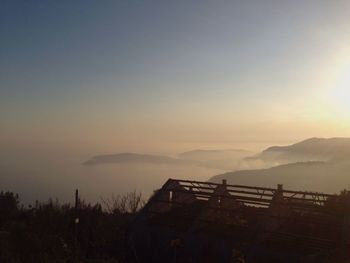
76	221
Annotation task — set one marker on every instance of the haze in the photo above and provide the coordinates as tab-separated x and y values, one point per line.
85	78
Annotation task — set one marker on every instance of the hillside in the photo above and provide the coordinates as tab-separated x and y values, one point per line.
315	176
133	158
314	149
226	160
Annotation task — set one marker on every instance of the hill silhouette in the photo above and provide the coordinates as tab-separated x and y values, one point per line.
313	149
314	176
316	164
133	158
218	159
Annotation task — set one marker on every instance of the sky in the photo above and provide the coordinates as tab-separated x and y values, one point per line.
165	76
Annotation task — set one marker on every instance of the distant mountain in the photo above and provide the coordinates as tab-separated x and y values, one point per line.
314	149
218	159
221	159
315	176
133	158
315	164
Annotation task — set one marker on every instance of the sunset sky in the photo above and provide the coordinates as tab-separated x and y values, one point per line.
170	75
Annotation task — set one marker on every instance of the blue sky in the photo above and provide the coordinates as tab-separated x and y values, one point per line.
119	74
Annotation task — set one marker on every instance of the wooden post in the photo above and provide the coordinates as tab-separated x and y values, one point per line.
278	195
76	220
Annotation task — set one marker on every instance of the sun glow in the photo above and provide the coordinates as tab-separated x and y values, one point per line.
340	95
342	99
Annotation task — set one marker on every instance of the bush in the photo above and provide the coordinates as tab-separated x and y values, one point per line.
48	232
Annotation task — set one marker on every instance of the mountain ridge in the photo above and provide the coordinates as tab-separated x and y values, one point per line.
312	149
128	157
315	163
218	159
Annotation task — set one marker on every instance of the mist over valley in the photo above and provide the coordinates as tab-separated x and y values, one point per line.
314	164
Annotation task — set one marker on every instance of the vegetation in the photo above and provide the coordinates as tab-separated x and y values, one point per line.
54	232
49	232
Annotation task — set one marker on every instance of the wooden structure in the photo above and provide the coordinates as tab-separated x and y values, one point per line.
189	221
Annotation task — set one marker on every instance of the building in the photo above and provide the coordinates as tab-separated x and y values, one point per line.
188	221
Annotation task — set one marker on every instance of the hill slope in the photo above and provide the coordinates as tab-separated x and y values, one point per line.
133	158
315	176
314	149
226	160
